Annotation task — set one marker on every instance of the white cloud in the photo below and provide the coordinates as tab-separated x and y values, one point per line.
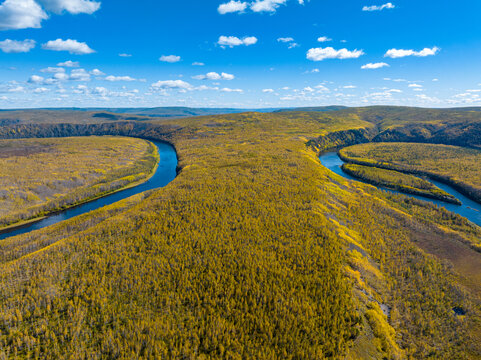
72	46
214	76
53	70
17	89
79	75
69	63
399	53
378	8
319	54
61	76
196	63
268	90
349	87
232	6
323	39
96	72
40	90
71	6
266	5
288	40
172	84
372	66
226	76
415	86
14	46
35	79
125	55
232	41
170	58
119	78
232	90
21	14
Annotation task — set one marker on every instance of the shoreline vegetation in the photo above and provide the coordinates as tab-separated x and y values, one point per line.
359	155
398	181
255	251
138	170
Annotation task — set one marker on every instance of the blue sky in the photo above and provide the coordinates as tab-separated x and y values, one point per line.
247	54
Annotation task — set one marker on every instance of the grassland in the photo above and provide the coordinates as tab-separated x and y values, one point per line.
398	181
457	166
254	251
38	176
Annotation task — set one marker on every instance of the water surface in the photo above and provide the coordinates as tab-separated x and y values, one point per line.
469	209
165	173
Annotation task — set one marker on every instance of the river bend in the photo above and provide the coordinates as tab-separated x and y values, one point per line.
164	174
469	209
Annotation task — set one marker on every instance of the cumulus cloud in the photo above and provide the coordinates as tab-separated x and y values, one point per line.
40	90
71	6
170	58
119	78
196	63
214	76
372	66
69	63
96	72
231	7
323	39
415	86
24	14
172	84
61	76
35	79
378	7
79	75
268	90
266	5
21	14
14	46
319	54
399	53
125	55
232	41
72	46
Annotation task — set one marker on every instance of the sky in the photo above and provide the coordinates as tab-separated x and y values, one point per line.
242	54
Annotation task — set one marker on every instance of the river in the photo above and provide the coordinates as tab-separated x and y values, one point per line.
469	209
165	173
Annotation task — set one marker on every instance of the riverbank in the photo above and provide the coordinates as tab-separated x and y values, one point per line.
460	186
398	181
41	177
161	174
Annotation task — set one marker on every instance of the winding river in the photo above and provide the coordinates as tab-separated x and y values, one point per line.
469	209
164	174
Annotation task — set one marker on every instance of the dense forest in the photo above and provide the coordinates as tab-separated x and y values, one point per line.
398	181
255	251
457	166
39	176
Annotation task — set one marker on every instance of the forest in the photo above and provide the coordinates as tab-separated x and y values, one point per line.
254	251
457	166
398	181
40	176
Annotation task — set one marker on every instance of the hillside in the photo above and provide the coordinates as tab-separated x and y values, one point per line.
255	250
